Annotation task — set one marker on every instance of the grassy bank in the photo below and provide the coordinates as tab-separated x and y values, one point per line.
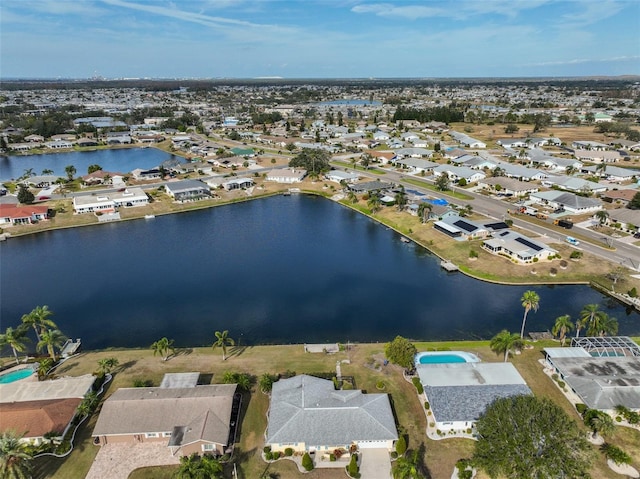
366	366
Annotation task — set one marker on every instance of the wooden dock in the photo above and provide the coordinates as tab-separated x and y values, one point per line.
70	348
448	266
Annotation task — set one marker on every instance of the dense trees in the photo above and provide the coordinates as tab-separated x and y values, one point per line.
526	437
199	467
314	161
401	351
442	182
25	196
444	114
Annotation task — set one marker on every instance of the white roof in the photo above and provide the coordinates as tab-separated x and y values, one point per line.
567	353
62	388
468	374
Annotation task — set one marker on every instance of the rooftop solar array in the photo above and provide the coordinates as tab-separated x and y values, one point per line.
468	227
528	244
607	346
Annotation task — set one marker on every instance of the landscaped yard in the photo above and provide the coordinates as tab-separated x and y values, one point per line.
366	367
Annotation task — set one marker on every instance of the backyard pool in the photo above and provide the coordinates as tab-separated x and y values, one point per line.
443	357
15	375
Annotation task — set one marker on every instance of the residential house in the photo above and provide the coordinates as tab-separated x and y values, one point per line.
466	140
188	420
570	202
58	145
602	371
146	175
384	157
39	408
521	172
614	173
518	247
100	177
572	183
508	186
413	153
238	184
629	219
34	138
186	190
288	175
619	197
87	142
459	393
308	414
416	165
589	145
12	214
110	202
456	173
40	181
598	156
461	228
338	176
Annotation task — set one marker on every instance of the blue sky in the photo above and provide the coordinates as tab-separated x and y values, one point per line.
318	38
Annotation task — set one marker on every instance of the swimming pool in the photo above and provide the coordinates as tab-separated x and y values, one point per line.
15	375
444	357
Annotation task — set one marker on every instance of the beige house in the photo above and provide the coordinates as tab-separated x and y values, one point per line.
191	419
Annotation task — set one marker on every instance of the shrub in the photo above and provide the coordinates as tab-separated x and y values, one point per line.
427	406
618	419
288	452
468	430
352	468
401	445
268	456
332	457
561	384
142	383
633	292
394	455
554	376
535	260
307	462
416	382
266	449
575	255
615	454
581	408
276	455
380	385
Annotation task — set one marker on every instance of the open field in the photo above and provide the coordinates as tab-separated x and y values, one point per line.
366	367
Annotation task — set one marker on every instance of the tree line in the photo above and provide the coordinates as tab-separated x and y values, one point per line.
442	114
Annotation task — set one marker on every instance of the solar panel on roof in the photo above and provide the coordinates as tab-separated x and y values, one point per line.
529	244
465	226
497	226
504	233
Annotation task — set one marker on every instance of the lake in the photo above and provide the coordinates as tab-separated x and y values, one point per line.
121	160
277	270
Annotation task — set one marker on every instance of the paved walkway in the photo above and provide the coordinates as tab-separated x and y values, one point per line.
117	461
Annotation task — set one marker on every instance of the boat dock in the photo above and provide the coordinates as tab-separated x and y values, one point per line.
448	266
70	348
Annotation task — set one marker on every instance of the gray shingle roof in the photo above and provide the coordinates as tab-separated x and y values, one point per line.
308	409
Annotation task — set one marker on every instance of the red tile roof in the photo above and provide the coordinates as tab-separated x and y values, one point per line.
36	418
14	211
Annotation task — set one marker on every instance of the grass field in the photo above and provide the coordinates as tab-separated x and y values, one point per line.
365	366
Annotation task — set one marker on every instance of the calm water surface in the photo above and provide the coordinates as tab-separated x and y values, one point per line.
278	270
121	160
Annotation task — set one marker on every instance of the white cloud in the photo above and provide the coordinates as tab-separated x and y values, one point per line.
577	61
591	12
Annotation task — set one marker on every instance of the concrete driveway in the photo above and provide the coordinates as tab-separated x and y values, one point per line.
117	461
375	464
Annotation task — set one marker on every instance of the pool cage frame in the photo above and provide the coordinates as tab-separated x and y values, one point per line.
607	346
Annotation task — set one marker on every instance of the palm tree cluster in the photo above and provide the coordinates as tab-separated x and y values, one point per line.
48	336
592	320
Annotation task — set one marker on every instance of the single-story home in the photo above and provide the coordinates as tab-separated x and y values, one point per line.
192	419
466	140
598	156
338	176
517	247
621	197
571	183
416	165
461	228
109	202
187	190
459	393
289	175
572	203
151	174
413	152
508	186
238	184
457	173
602	371
589	145
308	414
58	144
38	408
13	214
614	173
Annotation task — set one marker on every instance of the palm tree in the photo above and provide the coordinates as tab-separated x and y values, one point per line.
196	467
47	171
222	341
14	338
424	209
530	300
401	199
351	196
600	423
602	216
561	327
39	319
589	315
602	325
51	339
504	342
163	347
374	203
15	462
70	170
407	467
107	364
